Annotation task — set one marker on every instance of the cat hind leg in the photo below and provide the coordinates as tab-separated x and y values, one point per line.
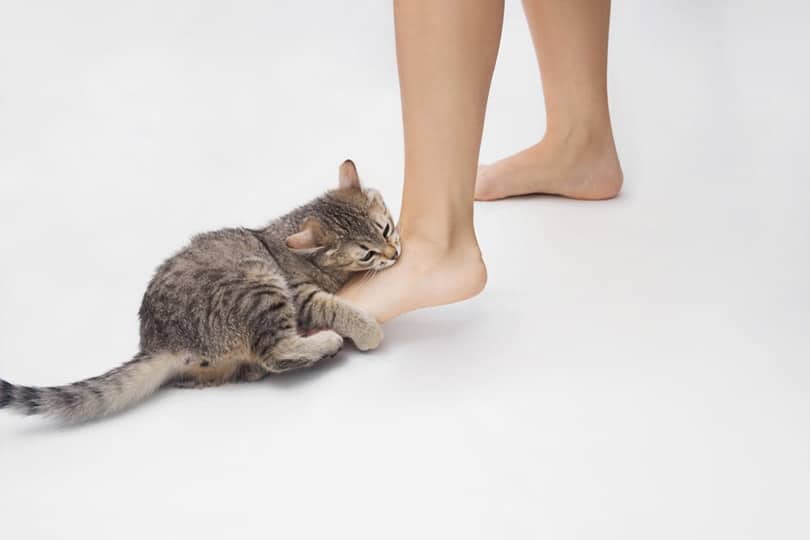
296	352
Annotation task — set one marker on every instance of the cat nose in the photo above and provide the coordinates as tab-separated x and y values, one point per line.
391	252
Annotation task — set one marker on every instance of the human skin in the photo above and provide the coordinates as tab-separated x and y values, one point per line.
446	54
577	156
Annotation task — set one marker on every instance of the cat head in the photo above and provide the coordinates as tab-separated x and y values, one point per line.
348	229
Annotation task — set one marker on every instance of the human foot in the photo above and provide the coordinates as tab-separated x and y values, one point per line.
579	167
426	275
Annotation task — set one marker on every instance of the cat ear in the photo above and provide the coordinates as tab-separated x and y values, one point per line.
308	239
348	178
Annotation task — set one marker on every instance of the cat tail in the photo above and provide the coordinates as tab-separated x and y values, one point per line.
106	394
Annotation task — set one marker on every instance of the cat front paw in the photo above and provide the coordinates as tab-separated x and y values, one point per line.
367	333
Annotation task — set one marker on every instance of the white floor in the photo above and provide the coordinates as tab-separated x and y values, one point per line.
636	369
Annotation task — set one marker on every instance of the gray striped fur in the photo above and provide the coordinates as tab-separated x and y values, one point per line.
237	304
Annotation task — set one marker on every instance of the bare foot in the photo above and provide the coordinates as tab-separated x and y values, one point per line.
425	275
579	167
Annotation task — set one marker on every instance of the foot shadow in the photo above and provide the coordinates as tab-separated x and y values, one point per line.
622	195
438	323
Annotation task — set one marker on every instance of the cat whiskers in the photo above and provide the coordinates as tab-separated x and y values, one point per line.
367	276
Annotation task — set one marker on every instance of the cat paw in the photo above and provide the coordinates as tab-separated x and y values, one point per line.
332	343
367	333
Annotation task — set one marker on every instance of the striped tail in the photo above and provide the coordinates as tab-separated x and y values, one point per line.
111	392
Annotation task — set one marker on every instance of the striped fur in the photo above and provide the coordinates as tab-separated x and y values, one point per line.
111	392
237	304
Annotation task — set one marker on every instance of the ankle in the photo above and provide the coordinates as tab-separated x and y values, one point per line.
436	237
580	137
437	247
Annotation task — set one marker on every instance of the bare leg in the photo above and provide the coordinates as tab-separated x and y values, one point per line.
577	156
446	53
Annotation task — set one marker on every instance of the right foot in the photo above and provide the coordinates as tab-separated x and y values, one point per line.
425	275
578	167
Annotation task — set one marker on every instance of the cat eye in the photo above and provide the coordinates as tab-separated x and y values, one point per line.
367	257
386	230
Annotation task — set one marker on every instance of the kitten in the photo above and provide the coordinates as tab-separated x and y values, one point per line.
237	304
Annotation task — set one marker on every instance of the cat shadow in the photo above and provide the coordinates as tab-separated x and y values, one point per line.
297	377
413	327
283	381
52	426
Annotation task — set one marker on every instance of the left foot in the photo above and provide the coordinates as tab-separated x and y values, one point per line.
577	166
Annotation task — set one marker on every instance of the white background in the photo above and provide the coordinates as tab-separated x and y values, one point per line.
635	369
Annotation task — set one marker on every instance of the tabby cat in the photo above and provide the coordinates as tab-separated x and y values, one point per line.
237	304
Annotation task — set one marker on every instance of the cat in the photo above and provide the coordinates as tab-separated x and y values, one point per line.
238	304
